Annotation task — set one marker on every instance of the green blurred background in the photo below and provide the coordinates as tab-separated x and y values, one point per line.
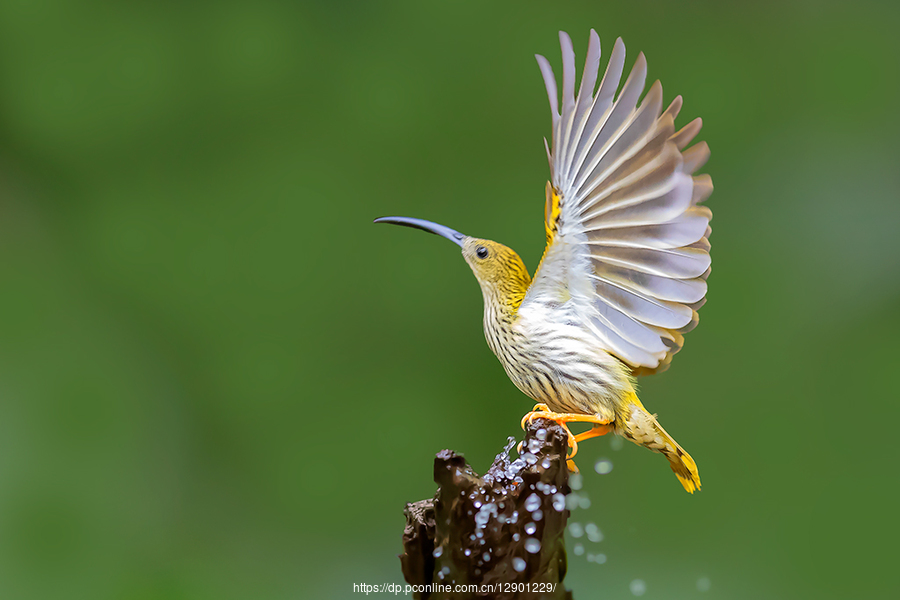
219	380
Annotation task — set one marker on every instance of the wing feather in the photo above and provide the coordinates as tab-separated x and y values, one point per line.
631	244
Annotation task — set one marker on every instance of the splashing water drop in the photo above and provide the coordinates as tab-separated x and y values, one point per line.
519	564
584	502
578	549
599	558
532	545
545	464
576	530
437	552
573	500
467	552
530	528
486	557
516	537
703	584
593	532
603	466
559	502
638	587
532	503
575	481
537	515
541	434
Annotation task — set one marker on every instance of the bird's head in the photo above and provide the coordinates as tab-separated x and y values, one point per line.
499	270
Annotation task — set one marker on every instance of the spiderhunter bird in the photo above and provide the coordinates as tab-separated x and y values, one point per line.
625	267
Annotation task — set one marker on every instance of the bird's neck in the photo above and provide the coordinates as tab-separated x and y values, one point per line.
501	307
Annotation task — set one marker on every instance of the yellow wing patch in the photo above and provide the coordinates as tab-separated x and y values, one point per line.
551	213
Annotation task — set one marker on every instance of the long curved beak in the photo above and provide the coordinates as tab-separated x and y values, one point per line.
451	234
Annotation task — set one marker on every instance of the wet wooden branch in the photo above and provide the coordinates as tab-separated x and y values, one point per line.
500	535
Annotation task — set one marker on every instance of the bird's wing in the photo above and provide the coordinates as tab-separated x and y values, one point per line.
625	234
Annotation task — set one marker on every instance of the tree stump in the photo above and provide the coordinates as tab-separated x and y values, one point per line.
500	535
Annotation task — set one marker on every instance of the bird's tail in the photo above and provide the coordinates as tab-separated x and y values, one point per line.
642	428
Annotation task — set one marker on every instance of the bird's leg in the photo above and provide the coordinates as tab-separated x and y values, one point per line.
601	426
543	411
595	431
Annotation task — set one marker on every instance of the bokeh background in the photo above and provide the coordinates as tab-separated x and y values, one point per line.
219	380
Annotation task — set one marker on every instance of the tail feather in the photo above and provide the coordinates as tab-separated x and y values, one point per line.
643	429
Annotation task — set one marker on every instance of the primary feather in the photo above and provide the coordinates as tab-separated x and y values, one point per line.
627	250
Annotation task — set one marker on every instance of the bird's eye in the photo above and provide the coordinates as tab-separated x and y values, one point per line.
481	251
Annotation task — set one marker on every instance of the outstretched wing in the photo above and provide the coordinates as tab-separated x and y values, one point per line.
625	235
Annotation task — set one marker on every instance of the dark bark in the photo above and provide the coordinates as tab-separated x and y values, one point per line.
503	531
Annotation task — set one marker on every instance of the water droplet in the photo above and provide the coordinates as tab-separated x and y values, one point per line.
585	502
533	502
537	515
485	513
519	564
541	434
599	558
638	587
559	502
593	532
530	528
603	466
467	552
515	537
486	557
573	500
438	551
545	464
703	584
616	443
532	545
477	504
576	530
575	481
578	549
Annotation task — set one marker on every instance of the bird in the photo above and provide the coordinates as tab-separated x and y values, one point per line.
627	257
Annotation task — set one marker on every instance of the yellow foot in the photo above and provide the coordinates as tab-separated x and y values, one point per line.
595	431
601	427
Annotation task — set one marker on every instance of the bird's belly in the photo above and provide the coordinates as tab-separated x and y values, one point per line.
569	375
